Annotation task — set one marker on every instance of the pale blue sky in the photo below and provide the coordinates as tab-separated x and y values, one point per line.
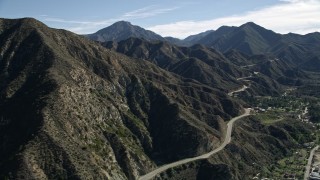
169	18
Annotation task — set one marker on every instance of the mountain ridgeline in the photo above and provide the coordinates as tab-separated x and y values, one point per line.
298	50
266	74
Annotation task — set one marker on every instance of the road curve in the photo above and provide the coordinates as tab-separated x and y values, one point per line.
308	166
226	141
244	87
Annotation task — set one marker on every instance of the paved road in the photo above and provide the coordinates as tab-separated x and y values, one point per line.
248	65
204	156
243	78
244	87
308	167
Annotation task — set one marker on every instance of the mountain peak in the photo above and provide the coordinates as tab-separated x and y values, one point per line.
122	30
122	23
251	25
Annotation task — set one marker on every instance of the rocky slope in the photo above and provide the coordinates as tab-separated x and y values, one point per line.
72	109
205	65
265	73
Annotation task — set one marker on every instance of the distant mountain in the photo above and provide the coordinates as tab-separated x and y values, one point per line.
194	39
301	50
198	62
123	30
190	40
213	68
212	36
298	50
294	51
248	38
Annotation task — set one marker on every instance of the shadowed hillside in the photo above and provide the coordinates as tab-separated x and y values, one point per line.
71	109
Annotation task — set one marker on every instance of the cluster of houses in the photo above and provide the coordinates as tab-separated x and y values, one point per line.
259	109
308	145
315	173
304	117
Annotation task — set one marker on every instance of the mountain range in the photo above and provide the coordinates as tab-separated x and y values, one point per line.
71	108
213	68
124	101
250	38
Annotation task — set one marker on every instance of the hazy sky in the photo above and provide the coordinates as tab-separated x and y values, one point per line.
178	18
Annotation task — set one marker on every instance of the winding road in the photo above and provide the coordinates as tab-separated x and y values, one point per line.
244	87
308	167
226	141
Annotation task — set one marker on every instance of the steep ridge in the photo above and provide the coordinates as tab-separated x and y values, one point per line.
238	58
72	109
198	62
299	50
266	73
277	70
